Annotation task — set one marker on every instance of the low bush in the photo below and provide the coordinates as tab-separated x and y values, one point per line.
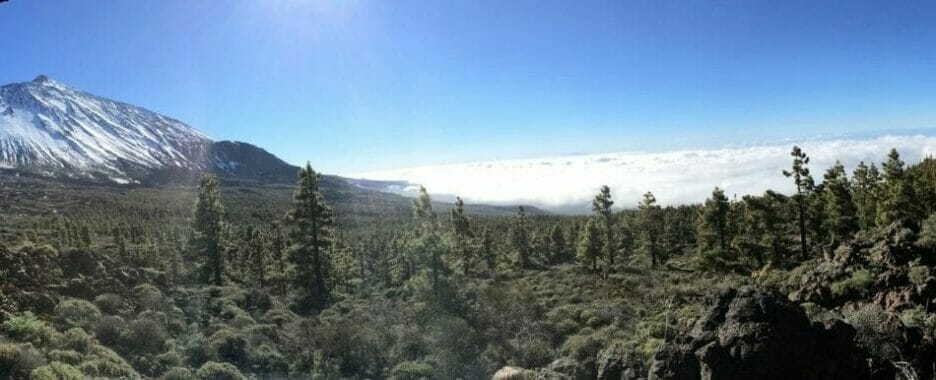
77	313
411	371
218	371
56	371
857	285
110	303
17	361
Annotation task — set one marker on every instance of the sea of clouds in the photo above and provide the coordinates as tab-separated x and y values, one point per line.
567	183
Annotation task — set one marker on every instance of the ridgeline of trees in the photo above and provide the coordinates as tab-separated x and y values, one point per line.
222	294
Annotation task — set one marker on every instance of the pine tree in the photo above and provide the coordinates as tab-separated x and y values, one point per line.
897	195
650	227
765	233
428	245
804	185
601	206
310	232
277	247
713	222
520	239
461	229
422	211
259	255
557	244
841	220
486	247
866	190
85	237
589	246
209	219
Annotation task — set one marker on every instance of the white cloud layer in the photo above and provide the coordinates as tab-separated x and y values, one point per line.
569	182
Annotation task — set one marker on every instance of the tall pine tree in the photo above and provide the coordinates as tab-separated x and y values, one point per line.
898	201
866	190
650	228
520	238
601	206
713	222
804	185
461	229
310	232
589	245
209	221
841	219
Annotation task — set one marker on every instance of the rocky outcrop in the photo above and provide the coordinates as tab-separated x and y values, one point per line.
756	334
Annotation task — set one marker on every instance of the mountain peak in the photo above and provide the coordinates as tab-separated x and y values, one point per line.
48	127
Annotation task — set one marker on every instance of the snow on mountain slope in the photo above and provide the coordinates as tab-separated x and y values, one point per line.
50	128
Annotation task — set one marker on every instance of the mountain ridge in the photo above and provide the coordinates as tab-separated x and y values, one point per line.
51	130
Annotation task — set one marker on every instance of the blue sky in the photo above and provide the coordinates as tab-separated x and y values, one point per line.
354	86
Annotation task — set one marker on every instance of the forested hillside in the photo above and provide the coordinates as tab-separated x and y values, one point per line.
233	282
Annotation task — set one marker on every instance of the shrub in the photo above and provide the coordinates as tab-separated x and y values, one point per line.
857	285
77	313
109	303
218	371
915	317
411	371
198	351
268	360
106	363
17	361
230	346
147	297
146	336
927	237
56	371
78	340
23	326
257	300
875	331
582	346
26	327
177	373
110	330
78	261
918	275
65	356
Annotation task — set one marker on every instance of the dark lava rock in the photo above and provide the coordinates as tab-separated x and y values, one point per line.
756	334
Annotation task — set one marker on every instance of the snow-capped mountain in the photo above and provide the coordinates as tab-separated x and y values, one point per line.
51	129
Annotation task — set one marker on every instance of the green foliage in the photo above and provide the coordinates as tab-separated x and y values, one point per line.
713	223
857	285
178	373
77	313
841	219
803	182
428	297
310	230
218	371
927	238
411	371
146	336
18	360
589	246
918	275
650	225
109	303
208	226
56	371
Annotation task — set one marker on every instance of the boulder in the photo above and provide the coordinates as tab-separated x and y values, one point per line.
758	334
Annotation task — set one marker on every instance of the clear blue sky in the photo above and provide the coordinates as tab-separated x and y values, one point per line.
361	85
